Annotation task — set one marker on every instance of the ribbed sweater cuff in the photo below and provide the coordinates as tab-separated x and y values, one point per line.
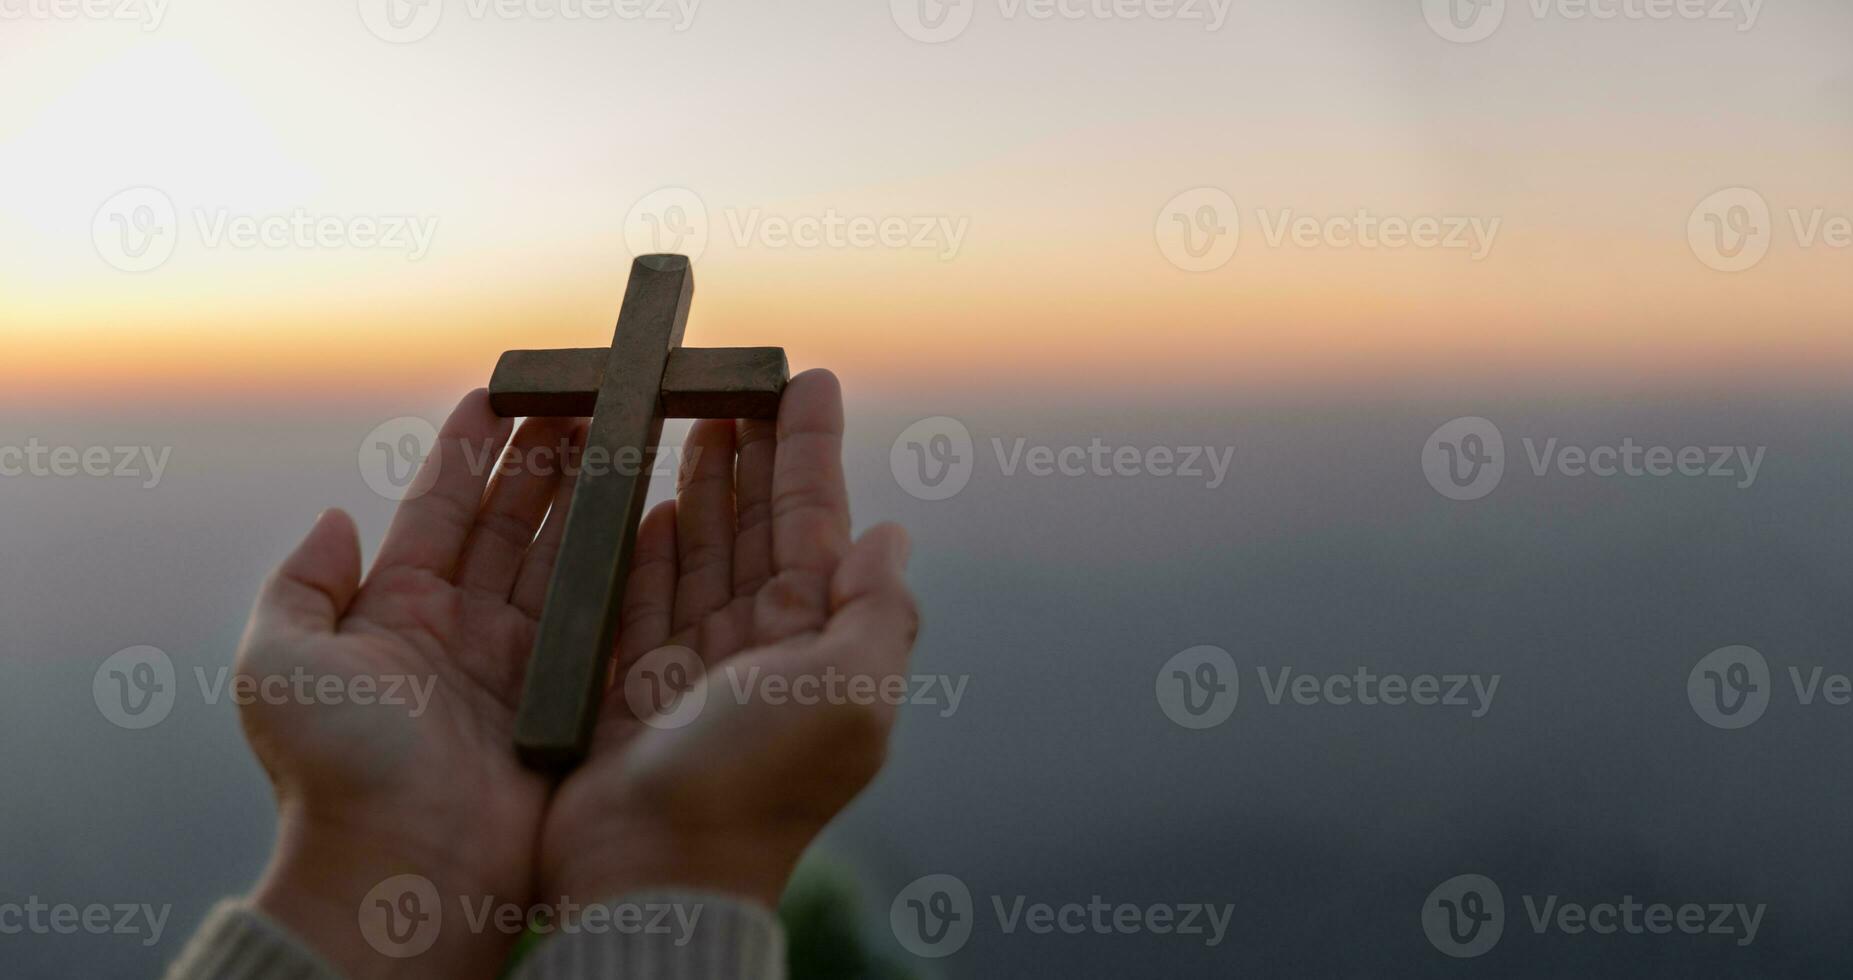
666	935
237	942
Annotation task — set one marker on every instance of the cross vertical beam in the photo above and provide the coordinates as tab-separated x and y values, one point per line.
579	622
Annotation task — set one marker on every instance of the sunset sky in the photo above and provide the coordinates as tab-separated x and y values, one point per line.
524	142
250	236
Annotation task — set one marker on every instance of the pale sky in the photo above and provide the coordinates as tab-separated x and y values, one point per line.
1024	167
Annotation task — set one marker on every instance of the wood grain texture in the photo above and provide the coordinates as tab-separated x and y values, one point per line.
699	383
578	625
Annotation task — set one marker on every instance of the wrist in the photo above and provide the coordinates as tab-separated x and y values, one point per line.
374	908
631	858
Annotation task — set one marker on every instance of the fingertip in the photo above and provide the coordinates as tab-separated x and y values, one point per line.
659	520
709	450
332	527
894	542
817	376
877	562
337	517
319	578
475	409
813	401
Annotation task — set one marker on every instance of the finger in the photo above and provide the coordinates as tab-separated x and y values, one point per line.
874	618
704	522
523	487
429	530
810	508
650	589
314	586
756	448
530	591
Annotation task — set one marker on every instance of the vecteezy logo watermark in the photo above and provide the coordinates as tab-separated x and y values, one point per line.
1464	21
37	917
1200	230
1465	916
1731	687
669	687
1199	688
664	689
137	688
1472	21
392	458
406	21
934	916
1464	459
672	219
403	916
36	459
148	13
675	219
933	459
137	230
938	21
1733	229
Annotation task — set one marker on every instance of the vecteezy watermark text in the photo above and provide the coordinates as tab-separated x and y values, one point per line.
37	459
1465	917
396	461
675	219
1465	459
1198	688
938	21
933	459
934	916
403	916
37	917
669	687
137	688
1471	21
406	21
139	229
1200	230
148	13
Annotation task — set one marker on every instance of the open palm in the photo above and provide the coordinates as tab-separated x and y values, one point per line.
412	770
752	570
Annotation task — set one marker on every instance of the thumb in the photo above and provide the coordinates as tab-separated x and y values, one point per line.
313	587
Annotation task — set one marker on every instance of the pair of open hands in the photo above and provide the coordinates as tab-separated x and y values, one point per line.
752	565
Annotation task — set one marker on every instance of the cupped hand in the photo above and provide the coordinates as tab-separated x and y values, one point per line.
390	747
751	568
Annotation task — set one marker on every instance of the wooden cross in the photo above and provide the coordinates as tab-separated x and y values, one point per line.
628	389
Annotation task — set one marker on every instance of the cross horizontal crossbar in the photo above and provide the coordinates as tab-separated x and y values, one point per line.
698	383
